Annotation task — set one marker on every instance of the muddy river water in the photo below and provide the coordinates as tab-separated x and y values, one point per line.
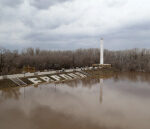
121	101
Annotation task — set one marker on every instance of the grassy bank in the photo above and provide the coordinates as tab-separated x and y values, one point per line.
102	73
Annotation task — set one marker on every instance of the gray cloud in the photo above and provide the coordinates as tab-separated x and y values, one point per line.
115	3
45	4
135	36
132	36
74	24
10	3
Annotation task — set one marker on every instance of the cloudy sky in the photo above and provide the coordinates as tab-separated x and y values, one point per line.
72	24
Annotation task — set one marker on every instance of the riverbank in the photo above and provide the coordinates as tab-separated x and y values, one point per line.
57	77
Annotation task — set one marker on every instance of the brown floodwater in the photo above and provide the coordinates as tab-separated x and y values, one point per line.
121	101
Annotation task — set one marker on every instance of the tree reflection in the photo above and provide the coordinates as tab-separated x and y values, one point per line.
132	76
86	82
10	93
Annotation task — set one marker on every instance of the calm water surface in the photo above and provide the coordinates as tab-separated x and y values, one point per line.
119	102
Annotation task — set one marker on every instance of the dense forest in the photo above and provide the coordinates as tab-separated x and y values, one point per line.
126	60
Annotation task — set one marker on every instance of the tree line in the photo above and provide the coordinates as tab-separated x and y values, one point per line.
12	62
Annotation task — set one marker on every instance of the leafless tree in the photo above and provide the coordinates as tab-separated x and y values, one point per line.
125	60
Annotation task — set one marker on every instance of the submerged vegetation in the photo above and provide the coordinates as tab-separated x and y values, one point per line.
126	60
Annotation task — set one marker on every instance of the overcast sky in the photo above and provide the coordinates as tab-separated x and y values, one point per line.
72	24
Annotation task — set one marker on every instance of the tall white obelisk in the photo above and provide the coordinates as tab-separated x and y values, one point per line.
101	52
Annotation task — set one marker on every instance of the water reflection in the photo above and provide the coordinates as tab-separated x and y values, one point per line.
118	102
10	93
132	76
101	91
86	82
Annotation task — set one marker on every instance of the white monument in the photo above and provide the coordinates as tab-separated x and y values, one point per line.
101	52
101	63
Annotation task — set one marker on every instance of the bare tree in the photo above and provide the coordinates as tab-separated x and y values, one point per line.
126	60
2	59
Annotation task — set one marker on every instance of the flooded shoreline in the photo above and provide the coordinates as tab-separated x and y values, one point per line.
118	102
28	79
